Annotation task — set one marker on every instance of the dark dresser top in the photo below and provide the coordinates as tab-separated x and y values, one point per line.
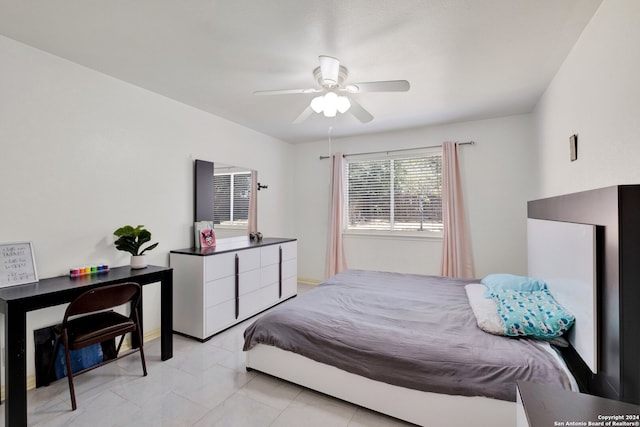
232	244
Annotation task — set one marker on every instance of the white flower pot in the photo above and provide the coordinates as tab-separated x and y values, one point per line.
138	261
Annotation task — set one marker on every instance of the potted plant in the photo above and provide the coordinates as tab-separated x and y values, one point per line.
130	239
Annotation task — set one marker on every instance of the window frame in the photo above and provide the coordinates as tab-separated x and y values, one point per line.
386	234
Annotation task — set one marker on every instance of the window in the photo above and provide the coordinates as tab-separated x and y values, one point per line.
231	203
394	194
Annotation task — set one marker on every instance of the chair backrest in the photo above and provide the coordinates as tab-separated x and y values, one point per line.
103	298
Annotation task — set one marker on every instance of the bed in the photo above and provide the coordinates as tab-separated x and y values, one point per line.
439	368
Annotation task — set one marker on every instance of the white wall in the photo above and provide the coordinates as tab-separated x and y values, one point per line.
497	175
596	94
82	153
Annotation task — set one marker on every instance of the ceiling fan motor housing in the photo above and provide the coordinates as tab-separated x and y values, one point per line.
328	84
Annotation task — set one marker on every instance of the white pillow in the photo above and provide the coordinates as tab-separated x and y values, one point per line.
484	309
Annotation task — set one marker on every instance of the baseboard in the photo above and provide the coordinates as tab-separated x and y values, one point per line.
309	281
151	335
148	336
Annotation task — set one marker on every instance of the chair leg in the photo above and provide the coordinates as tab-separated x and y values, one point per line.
141	348
67	356
52	362
119	345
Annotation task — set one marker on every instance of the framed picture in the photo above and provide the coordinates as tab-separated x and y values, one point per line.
205	237
17	264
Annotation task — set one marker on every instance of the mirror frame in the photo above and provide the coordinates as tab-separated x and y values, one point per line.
203	191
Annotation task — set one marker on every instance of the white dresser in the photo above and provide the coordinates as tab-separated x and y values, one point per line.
215	288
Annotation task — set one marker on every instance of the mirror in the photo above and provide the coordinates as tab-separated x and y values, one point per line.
232	191
223	193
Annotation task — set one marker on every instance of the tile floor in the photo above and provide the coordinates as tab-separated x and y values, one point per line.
204	384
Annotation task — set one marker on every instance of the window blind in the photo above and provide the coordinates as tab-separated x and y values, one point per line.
231	198
241	188
222	198
394	194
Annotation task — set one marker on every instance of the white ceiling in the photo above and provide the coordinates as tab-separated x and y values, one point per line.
465	59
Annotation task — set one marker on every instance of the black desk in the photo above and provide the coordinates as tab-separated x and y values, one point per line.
16	301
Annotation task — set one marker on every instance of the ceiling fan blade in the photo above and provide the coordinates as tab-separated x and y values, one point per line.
386	86
304	115
359	112
285	91
329	68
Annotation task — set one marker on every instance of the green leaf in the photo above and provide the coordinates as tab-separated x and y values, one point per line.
148	248
143	237
126	230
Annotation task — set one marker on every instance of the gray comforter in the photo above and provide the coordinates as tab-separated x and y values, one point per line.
408	330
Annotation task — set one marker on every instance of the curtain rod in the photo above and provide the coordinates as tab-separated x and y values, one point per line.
400	149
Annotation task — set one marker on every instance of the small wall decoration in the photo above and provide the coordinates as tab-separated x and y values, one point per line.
205	237
573	147
17	264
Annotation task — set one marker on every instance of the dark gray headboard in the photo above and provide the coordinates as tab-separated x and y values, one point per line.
616	212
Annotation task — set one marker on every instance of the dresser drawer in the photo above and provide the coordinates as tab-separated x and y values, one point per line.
289	286
248	260
218	266
269	255
223	265
220	290
249	281
289	250
289	268
269	275
219	317
258	300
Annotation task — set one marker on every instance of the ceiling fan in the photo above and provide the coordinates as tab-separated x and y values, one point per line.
331	77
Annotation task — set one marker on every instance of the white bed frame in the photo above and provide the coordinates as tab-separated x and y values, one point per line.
418	407
435	409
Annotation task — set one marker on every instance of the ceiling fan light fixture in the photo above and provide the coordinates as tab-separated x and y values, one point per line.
330	112
330	98
330	104
343	104
317	104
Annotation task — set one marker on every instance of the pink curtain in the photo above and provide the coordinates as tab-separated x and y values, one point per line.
456	255
253	204
336	261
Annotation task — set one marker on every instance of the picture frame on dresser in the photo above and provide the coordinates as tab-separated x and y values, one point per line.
204	235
